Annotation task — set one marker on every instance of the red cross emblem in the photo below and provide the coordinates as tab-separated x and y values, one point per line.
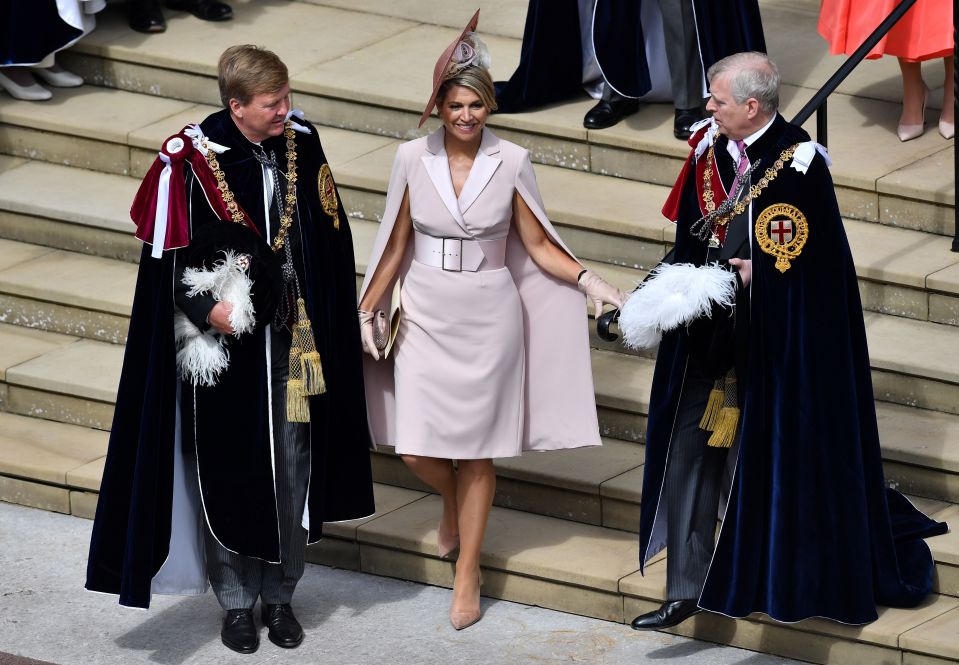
781	231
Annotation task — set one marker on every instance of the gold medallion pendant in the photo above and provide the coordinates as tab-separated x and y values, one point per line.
328	194
782	231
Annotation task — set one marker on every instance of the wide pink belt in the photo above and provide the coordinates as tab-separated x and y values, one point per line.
458	254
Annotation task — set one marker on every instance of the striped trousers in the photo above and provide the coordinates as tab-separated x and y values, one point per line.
239	580
694	474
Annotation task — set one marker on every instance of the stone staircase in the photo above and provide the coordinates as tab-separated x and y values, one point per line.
562	534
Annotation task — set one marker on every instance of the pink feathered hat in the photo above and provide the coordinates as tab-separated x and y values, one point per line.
443	64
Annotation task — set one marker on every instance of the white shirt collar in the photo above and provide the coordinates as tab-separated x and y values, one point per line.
733	149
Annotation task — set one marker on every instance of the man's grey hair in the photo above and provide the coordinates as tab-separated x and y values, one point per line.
751	75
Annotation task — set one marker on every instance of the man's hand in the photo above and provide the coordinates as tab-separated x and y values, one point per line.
745	268
219	317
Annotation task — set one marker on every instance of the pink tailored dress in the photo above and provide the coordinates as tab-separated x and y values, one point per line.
491	359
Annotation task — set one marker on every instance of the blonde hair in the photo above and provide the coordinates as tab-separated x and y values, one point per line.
245	71
477	79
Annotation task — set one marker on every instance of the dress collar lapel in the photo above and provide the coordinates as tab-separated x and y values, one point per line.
438	168
484	166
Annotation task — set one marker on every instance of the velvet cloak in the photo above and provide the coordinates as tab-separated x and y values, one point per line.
551	63
810	528
229	424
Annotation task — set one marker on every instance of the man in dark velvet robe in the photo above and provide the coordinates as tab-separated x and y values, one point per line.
807	526
566	43
242	471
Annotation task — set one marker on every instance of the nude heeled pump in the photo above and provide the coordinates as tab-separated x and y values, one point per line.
947	129
464	618
910	132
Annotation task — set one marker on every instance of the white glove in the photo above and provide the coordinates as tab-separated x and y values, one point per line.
366	333
600	291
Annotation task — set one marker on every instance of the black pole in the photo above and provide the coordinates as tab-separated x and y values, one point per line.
822	123
852	61
955	155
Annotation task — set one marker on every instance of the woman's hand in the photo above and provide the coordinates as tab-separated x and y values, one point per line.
600	291
366	333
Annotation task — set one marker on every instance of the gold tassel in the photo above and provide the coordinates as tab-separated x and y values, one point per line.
713	406
297	403
310	368
725	432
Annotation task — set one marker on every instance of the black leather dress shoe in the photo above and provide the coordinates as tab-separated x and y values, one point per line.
670	613
683	120
145	16
285	630
208	10
239	632
608	112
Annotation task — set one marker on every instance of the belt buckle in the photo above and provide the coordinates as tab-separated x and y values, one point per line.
457	265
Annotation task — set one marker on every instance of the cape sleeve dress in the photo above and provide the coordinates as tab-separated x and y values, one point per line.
486	363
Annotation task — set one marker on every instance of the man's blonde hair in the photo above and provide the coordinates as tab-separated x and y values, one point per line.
245	71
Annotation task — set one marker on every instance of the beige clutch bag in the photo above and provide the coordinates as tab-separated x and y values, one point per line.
385	326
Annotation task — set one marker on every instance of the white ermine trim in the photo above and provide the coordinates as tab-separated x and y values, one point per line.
673	296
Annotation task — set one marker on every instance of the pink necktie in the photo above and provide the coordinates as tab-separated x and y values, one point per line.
741	167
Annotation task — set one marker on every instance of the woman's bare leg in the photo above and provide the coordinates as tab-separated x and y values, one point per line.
476	484
913	93
439	474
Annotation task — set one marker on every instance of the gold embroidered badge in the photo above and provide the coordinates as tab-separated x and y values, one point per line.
328	195
782	231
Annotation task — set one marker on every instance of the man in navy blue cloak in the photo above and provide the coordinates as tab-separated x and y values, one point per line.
778	390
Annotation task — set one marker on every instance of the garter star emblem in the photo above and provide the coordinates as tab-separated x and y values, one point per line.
328	195
782	231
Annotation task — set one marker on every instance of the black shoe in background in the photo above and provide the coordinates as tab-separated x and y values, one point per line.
285	630
671	613
208	10
683	120
145	16
608	112
239	632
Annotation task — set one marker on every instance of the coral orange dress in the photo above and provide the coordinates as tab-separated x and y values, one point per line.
923	33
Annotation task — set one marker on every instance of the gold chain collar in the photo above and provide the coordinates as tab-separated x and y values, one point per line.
754	192
286	217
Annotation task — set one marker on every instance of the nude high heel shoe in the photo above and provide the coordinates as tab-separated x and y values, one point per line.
461	618
446	545
910	132
947	129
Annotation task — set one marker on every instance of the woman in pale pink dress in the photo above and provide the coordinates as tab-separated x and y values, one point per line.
492	355
923	33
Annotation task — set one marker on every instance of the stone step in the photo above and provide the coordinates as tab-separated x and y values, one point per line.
592	571
539	560
73	380
91	297
343	81
902	272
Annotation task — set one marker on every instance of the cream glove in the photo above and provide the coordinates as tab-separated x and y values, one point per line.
366	333
600	291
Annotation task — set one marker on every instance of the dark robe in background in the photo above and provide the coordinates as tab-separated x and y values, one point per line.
551	62
810	528
230	427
